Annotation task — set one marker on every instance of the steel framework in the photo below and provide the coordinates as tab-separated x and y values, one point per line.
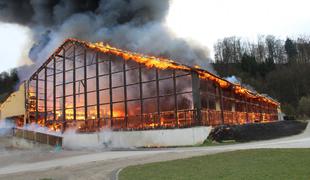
89	89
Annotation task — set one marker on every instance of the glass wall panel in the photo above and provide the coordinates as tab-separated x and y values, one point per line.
150	105
79	87
131	64
91	112
69	76
167	103
185	101
79	74
104	96
69	102
165	73
80	114
105	111
118	94
184	84
118	79
91	98
59	90
117	64
134	108
91	71
166	87
133	92
132	76
104	82
148	74
91	84
118	110
149	89
79	61
104	67
69	89
59	79
79	100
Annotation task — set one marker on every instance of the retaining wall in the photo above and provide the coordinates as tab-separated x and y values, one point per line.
127	139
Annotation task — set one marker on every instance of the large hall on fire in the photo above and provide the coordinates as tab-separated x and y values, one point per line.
91	86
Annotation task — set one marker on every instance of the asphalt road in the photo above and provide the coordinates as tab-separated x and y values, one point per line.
104	165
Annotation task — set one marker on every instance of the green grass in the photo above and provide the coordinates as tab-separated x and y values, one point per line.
238	165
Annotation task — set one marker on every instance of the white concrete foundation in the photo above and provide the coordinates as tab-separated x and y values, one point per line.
147	138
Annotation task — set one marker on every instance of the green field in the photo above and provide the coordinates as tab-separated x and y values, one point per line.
247	164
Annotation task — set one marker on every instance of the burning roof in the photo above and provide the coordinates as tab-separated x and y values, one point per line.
164	63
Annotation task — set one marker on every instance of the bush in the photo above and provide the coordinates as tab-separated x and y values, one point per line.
304	106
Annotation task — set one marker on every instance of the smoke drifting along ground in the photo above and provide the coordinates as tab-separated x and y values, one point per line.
6	127
137	25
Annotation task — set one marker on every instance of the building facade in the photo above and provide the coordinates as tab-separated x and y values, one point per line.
94	86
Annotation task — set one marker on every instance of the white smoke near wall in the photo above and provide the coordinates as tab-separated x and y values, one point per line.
6	127
233	79
106	139
39	128
137	25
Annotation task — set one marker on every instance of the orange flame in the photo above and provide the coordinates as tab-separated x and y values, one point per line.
163	63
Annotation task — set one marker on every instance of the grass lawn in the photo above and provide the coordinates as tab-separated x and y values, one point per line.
247	164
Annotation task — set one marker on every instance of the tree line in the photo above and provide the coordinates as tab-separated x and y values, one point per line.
8	82
271	65
277	67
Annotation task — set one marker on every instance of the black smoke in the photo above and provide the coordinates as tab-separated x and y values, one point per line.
43	12
137	25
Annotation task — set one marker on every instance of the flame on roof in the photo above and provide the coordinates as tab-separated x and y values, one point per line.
164	63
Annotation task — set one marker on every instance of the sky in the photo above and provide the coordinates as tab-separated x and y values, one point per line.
204	21
14	43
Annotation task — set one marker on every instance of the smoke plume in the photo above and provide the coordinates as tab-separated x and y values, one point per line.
137	25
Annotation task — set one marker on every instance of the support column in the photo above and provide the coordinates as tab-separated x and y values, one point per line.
111	92
54	90
74	87
37	98
125	93
157	96
26	105
85	86
45	96
207	113
97	91
175	99
260	106
246	110
221	104
64	92
141	95
196	97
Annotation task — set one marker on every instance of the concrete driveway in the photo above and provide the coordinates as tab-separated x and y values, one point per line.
103	165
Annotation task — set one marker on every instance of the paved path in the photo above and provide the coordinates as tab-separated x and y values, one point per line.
103	165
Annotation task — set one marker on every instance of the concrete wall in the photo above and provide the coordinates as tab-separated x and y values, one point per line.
127	139
14	104
27	144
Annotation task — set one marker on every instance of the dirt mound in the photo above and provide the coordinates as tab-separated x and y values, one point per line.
253	132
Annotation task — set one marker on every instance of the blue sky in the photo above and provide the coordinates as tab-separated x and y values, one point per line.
203	21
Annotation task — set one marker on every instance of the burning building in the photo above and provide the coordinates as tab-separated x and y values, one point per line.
90	86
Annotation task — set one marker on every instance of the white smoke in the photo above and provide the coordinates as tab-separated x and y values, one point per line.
39	128
233	79
6	127
106	139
